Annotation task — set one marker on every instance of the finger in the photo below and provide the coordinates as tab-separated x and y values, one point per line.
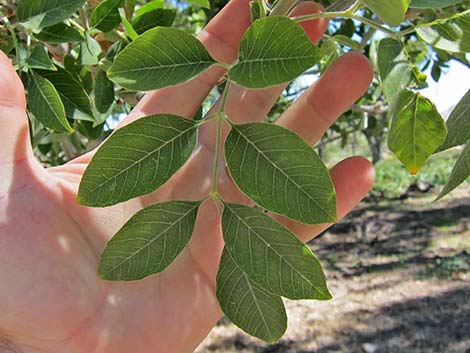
329	97
245	105
221	38
353	179
14	132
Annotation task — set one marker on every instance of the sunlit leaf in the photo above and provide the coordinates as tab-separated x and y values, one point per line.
432	4
137	159
45	104
44	13
451	35
271	255
280	172
274	50
391	12
201	3
417	130
160	57
459	174
247	305
90	51
149	242
458	124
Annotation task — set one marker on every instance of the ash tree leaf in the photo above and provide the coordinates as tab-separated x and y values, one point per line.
151	19
45	104
39	59
44	13
280	172
460	173
271	255
90	51
104	92
250	307
149	242
158	58
417	130
106	16
77	102
458	124
395	67
452	34
432	4
59	33
392	12
137	159
273	50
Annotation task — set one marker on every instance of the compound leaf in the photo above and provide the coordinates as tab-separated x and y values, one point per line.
417	130
45	104
158	58
44	13
274	50
280	172
247	305
271	255
149	242
137	159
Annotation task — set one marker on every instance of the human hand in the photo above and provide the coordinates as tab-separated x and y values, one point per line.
51	298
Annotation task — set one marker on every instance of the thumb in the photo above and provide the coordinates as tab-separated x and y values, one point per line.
14	132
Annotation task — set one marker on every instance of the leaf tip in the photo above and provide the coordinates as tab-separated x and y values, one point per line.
413	170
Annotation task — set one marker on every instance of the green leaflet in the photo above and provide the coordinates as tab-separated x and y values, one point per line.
417	130
391	12
151	19
432	4
59	33
201	3
458	124
280	172
104	92
45	104
137	159
271	255
273	50
247	305
76	100
150	6
43	13
149	242
90	51
459	174
452	34
394	67
39	59
106	16
158	58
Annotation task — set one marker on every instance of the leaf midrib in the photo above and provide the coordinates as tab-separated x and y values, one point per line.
150	242
286	175
274	250
142	159
191	63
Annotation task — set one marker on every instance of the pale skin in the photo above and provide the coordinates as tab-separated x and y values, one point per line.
51	298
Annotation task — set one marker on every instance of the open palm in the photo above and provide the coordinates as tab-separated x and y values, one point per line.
51	298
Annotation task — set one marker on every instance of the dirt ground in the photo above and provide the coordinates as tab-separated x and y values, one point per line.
399	272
